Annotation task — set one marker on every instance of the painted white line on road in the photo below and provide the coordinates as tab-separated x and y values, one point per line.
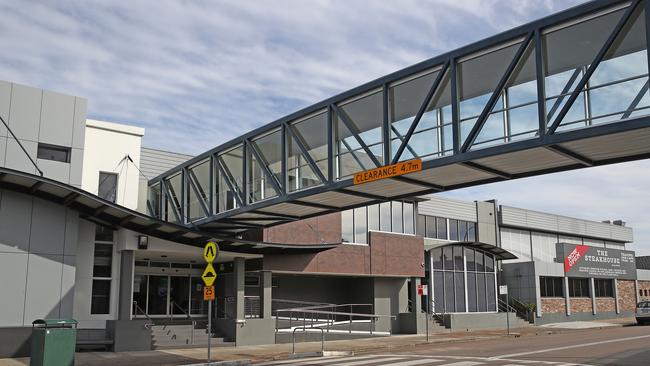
372	360
464	363
283	362
415	362
569	347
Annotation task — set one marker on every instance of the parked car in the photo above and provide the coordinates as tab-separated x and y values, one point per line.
643	312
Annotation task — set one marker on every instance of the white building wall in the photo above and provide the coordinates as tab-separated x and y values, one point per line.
107	144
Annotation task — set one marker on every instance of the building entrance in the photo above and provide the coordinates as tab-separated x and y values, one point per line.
168	296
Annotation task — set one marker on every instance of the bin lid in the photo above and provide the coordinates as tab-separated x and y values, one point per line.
55	322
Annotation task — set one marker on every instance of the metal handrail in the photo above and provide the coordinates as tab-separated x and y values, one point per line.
509	308
137	307
330	319
171	314
322	339
522	310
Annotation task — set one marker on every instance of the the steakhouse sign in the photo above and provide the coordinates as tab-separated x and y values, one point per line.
586	261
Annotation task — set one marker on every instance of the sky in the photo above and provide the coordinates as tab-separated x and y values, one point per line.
196	74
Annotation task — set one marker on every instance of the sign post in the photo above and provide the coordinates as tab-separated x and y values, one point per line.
423	291
503	290
210	253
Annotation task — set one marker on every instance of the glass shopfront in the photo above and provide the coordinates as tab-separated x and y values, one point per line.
463	280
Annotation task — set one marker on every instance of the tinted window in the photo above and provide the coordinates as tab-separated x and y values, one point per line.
51	152
107	188
453	229
441	224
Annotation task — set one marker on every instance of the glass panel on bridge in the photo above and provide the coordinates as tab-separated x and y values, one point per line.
199	175
154	200
617	90
432	136
312	133
514	115
365	116
260	185
173	199
231	171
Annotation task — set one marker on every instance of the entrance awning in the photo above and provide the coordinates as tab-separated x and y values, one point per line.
499	253
103	212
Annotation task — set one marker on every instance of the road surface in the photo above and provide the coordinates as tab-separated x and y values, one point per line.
615	346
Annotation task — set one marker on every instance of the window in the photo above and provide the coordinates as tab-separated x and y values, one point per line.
421	225
453	230
347	226
102	271
551	286
431	227
441	224
604	287
360	226
107	188
578	287
396	217
52	152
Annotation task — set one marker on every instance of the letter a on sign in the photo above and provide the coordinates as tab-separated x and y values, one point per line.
210	252
209	275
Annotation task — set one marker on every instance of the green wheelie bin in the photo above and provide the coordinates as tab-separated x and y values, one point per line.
53	342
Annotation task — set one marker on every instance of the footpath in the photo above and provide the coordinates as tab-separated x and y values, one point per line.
254	354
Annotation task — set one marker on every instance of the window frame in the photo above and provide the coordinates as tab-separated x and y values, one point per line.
117	183
41	154
103	278
547	283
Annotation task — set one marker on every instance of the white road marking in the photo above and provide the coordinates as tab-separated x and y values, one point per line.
293	361
415	362
464	363
568	347
373	360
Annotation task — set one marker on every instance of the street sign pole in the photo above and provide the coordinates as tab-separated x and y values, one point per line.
428	314
209	327
210	253
507	313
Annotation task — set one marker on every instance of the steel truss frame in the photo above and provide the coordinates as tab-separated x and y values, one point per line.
447	64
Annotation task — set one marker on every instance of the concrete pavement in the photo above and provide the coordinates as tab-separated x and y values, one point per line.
480	346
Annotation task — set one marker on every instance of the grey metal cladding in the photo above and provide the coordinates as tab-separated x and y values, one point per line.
15	157
528	219
67	286
155	162
3	150
79	129
15	222
25	112
5	102
71	232
48	228
43	299
444	207
13	266
56	170
76	166
57	118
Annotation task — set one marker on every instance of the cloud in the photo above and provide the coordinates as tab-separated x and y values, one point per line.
197	74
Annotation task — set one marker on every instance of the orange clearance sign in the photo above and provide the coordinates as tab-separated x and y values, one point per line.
388	171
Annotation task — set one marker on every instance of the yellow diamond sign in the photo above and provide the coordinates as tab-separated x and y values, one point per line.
210	252
209	275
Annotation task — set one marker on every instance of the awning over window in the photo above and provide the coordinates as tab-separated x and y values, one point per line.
499	253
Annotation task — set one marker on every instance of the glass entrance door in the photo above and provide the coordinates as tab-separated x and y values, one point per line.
158	295
179	293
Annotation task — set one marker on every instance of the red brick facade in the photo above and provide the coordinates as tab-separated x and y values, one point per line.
386	255
605	304
644	290
553	305
626	295
581	305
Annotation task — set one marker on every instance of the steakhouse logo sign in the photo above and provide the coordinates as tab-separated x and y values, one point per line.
586	261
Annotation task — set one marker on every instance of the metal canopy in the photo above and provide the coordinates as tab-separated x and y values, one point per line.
564	92
102	212
499	253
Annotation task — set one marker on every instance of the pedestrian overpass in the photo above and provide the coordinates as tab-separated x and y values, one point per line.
564	92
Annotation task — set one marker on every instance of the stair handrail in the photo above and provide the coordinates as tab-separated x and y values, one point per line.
508	308
173	303
523	310
138	308
434	314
